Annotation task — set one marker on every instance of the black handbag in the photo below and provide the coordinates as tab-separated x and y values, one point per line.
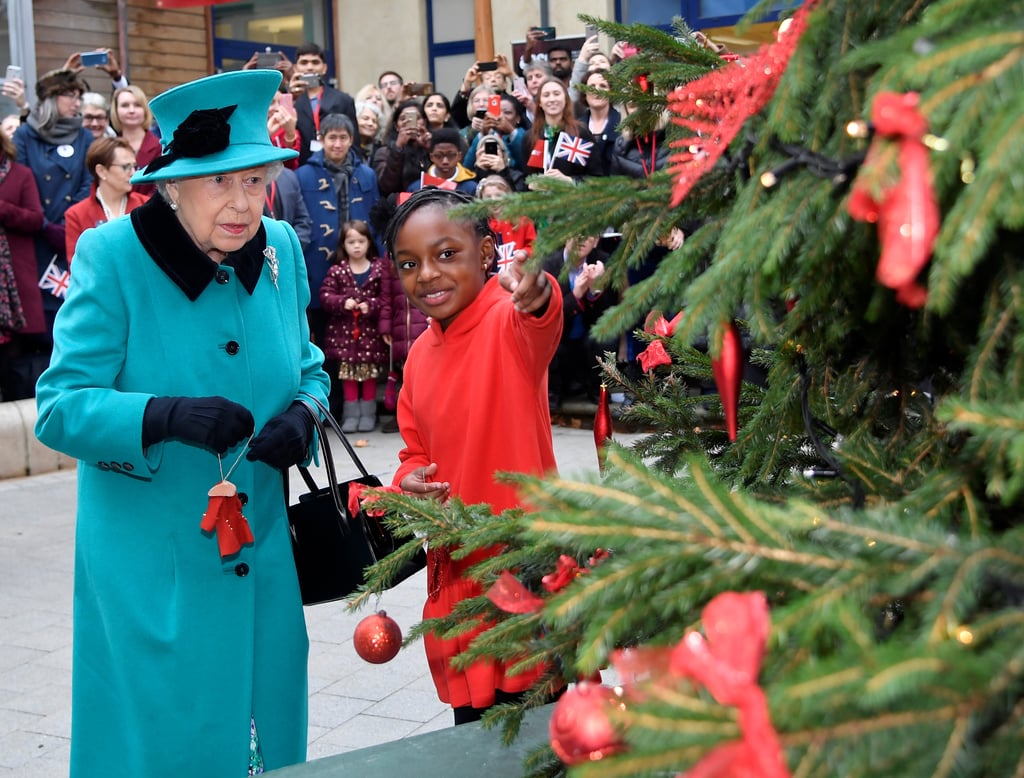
332	548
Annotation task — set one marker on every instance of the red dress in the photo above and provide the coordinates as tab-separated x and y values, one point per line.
475	401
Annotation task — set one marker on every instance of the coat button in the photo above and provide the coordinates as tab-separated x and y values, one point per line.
103	465
231	347
243	498
127	466
222	276
241	569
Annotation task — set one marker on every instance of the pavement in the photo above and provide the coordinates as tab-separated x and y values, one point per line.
352	704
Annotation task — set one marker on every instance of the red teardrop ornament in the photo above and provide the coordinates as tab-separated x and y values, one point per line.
728	371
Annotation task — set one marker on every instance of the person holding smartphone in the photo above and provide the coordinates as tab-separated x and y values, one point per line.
314	97
52	143
491	159
101	59
501	144
405	153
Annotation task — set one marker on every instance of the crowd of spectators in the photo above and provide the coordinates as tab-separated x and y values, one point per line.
68	156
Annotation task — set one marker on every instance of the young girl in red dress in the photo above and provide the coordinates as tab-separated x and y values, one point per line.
352	295
488	346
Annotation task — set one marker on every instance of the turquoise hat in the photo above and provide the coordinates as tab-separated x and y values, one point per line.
214	125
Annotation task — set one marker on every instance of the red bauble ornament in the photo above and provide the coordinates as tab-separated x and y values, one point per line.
580	728
728	371
602	425
377	638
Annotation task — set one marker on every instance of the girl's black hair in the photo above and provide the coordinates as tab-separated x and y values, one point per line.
445	199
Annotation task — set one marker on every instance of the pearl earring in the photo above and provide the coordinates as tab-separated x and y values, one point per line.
174	206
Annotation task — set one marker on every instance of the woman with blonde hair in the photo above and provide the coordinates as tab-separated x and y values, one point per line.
131	119
370	93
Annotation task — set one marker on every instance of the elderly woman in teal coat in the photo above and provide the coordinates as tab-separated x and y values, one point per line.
181	357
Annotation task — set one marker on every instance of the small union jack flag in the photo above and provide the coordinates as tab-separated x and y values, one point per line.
505	252
54	280
575	150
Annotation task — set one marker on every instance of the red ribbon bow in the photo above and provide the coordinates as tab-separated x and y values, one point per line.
906	211
726	660
655	353
509	594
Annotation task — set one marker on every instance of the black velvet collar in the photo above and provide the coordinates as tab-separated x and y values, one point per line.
174	252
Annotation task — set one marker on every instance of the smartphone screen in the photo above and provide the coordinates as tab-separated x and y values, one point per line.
485	66
490	146
93	58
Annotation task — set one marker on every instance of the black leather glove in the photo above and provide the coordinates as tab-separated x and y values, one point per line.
214	422
284	439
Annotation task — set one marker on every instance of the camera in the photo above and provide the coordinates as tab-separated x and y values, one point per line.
481	113
310	80
490	146
94	58
419	90
266	59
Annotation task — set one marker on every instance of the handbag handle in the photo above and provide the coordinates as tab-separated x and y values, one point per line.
314	405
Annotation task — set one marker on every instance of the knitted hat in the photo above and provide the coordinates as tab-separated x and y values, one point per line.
216	124
56	81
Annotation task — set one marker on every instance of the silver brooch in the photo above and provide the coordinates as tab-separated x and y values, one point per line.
271	254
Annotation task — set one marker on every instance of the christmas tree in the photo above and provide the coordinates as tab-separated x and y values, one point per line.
819	571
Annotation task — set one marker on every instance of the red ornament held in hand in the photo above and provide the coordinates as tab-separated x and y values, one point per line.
377	638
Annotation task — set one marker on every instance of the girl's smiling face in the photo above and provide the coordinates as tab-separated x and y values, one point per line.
442	264
552	99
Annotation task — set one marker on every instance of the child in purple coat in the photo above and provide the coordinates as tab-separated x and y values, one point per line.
352	295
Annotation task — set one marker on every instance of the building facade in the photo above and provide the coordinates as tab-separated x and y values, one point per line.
161	43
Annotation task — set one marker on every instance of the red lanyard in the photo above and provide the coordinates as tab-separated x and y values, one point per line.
654	154
316	113
271	196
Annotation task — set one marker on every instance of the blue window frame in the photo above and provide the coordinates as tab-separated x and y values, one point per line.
230	52
698	14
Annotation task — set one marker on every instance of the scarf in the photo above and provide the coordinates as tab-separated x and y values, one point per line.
12	315
341	174
65	130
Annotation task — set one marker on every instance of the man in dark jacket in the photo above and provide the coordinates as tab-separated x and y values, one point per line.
314	97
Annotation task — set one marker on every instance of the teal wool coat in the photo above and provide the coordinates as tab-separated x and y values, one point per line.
176	649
